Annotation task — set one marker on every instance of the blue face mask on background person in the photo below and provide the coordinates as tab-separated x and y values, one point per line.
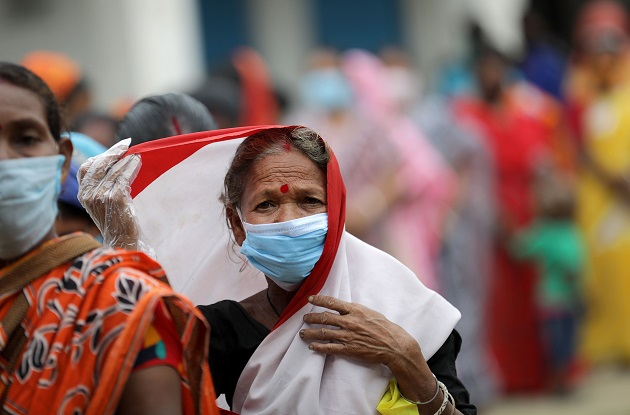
326	89
287	251
29	188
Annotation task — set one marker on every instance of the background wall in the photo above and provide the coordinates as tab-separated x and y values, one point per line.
130	48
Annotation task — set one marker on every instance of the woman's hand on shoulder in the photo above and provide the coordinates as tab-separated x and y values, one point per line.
359	332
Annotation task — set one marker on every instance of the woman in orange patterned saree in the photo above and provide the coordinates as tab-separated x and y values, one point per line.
83	329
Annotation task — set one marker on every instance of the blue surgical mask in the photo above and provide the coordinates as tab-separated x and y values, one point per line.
326	89
29	188
286	252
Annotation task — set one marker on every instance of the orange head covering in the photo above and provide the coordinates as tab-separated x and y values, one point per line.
60	73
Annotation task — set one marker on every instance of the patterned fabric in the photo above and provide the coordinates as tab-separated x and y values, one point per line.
85	326
161	343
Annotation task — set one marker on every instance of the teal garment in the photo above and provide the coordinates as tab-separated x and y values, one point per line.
556	248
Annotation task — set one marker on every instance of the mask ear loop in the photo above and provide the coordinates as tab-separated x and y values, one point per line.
240	217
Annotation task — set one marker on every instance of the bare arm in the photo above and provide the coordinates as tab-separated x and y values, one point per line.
153	391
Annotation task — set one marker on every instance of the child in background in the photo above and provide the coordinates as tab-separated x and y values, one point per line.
553	243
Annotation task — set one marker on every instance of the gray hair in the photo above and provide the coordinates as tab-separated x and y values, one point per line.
264	143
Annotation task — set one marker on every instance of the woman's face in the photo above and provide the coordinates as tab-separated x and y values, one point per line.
24	128
281	187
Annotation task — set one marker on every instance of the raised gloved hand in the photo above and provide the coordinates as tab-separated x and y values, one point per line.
105	192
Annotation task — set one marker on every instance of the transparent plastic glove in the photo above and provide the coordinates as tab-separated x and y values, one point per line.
105	192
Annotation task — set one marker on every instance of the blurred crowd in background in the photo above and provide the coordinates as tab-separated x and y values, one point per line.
504	184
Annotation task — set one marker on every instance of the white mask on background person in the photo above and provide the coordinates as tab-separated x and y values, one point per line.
29	188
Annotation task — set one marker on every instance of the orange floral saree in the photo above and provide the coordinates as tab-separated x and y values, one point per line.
85	325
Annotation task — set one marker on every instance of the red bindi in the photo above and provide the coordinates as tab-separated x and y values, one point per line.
284	188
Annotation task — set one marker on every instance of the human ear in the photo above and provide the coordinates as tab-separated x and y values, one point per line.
236	225
65	149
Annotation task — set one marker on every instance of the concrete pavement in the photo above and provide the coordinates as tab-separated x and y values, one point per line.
603	392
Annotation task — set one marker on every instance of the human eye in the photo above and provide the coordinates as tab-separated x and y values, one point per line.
313	201
264	206
27	139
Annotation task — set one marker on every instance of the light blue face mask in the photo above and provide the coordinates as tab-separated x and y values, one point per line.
29	188
287	251
326	89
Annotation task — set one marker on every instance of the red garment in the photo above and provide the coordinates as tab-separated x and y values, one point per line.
519	132
259	102
518	137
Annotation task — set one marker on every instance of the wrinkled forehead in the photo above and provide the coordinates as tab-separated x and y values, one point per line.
286	168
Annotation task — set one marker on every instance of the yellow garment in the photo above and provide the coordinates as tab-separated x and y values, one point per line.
605	223
393	403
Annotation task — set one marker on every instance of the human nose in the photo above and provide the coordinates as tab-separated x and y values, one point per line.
288	212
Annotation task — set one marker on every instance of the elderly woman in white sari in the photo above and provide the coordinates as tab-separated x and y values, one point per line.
321	322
